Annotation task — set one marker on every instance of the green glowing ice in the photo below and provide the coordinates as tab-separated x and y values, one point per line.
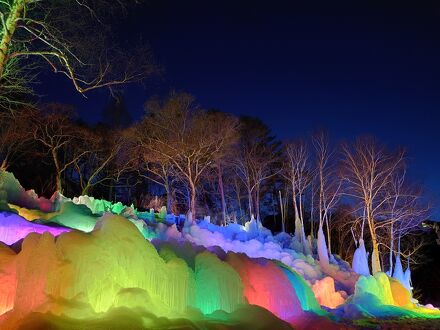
218	285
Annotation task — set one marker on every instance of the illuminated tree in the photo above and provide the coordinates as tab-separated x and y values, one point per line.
406	211
15	136
298	173
368	171
255	161
329	185
152	166
224	159
55	131
71	37
99	159
185	136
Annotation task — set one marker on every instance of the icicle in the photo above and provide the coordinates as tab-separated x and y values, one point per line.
407	278
398	270
322	248
360	260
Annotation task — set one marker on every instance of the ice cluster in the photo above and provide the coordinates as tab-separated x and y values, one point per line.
92	262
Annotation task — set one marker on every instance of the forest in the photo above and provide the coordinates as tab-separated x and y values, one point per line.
210	163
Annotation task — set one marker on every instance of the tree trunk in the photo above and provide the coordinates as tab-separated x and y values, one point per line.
4	165
329	246
8	31
312	235
222	192
237	192
168	193
58	184
391	248
375	261
300	206
295	208
250	202
298	224
283	218
192	200
85	190
257	203
169	202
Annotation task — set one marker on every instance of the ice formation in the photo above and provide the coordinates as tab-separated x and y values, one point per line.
16	194
13	228
404	277
110	264
322	247
360	260
326	294
267	286
82	274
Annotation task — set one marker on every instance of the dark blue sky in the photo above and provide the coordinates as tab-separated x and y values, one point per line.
353	67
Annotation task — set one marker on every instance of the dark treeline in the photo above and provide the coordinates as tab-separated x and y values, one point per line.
209	163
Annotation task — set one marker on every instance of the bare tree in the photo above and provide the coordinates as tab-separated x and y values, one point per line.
71	37
368	171
58	135
14	136
99	158
329	185
407	210
256	160
225	157
298	173
152	166
283	204
344	227
186	136
236	185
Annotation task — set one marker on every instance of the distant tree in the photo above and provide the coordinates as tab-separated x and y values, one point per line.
98	160
190	139
152	166
224	159
115	113
256	160
237	197
298	173
329	184
368	172
72	38
407	209
15	136
54	129
345	231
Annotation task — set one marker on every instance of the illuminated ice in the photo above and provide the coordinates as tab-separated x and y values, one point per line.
14	228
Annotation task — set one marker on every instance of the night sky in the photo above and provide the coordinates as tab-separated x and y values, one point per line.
352	68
